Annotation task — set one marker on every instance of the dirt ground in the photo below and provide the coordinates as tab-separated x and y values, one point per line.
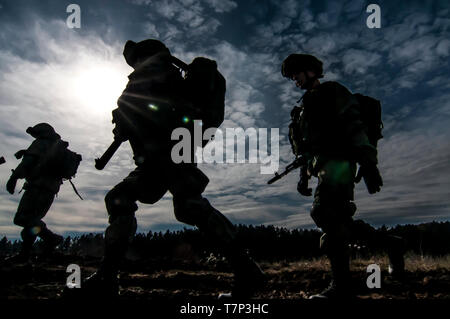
426	278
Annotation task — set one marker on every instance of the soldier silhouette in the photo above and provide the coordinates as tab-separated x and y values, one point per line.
329	132
40	167
156	100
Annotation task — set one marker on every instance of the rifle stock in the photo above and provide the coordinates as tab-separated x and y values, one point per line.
101	162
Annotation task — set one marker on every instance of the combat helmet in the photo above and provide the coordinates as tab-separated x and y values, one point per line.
43	130
296	63
133	51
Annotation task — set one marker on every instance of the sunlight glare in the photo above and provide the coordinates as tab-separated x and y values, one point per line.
98	87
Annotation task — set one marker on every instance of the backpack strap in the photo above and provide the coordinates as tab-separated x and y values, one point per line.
75	189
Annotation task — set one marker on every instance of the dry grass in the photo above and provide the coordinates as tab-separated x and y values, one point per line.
413	263
426	278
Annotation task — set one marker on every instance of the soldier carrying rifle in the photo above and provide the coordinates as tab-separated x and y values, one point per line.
156	100
332	131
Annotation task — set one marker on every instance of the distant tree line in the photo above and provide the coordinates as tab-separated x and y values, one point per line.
264	242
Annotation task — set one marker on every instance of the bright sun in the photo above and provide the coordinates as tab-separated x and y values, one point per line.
98	87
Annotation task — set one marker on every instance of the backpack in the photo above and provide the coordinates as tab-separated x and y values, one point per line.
205	87
200	95
370	112
61	161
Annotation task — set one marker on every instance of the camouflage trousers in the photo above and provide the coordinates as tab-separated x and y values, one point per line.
148	185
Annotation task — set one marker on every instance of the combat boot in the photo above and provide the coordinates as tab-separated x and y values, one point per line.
248	277
334	291
104	283
51	241
24	255
340	287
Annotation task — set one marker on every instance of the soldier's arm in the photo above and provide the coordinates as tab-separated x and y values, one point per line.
30	159
25	167
22	171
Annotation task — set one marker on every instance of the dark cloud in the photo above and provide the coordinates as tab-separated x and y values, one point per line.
404	64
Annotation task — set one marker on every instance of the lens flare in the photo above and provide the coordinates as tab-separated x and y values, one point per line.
153	107
35	230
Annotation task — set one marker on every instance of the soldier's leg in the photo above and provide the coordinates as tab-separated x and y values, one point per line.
191	208
332	211
43	204
121	206
335	219
197	211
22	219
394	246
33	206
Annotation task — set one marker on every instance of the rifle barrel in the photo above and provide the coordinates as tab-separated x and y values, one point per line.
101	162
294	165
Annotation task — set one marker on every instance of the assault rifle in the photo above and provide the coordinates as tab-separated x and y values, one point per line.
299	161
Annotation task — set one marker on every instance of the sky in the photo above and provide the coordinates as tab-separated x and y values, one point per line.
72	77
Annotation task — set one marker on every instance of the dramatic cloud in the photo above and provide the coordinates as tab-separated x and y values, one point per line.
71	78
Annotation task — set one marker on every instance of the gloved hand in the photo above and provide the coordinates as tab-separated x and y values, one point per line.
372	178
302	186
11	185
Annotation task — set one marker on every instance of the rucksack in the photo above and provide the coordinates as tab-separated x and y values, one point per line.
61	161
200	95
370	112
206	87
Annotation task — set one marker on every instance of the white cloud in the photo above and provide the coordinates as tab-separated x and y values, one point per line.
39	86
359	61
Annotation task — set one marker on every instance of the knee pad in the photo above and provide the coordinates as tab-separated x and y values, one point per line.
117	203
